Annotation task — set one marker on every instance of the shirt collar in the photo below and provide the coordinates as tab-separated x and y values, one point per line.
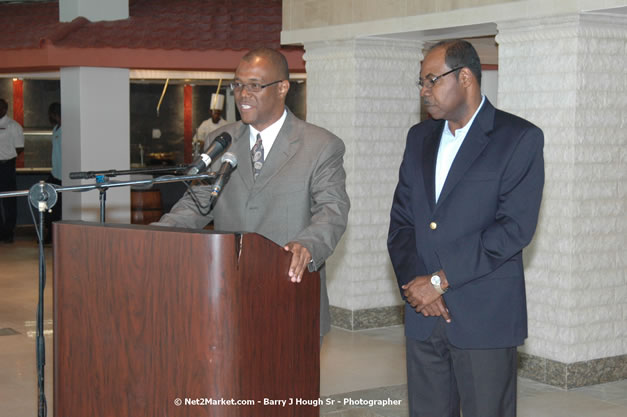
463	130
269	134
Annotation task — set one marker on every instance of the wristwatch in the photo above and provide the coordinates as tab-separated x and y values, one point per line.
436	281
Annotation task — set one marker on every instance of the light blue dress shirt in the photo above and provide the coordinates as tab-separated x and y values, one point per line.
56	153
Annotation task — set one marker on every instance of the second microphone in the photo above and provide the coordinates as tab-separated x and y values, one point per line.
229	163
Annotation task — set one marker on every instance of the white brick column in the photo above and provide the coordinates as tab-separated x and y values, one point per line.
568	75
364	92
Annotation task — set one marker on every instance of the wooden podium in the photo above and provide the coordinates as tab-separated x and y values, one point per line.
148	317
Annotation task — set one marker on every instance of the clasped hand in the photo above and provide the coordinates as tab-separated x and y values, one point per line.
421	295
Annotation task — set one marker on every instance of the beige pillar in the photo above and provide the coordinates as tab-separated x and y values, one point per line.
567	75
364	92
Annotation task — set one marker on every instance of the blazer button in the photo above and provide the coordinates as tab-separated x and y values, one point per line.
433	225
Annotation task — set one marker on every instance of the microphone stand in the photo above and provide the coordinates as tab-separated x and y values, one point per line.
102	178
104	185
43	197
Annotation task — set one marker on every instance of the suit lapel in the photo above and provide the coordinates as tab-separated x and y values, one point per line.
429	157
284	147
241	149
474	143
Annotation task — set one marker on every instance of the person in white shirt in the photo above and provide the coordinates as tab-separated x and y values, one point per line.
11	145
214	122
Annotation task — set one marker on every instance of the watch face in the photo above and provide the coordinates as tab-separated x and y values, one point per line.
435	280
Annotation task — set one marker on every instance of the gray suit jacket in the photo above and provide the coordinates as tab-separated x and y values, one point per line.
300	194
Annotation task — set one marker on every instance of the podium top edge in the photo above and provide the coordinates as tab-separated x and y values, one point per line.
149	227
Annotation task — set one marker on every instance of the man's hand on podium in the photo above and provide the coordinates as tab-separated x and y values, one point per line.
300	259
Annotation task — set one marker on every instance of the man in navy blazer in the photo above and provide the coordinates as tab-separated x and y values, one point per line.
466	204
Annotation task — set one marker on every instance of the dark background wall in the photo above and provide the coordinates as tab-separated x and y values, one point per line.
144	119
38	95
296	99
6	92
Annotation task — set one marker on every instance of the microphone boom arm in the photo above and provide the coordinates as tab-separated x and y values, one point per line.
102	185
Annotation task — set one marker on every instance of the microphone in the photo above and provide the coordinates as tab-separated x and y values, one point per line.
219	145
229	163
82	175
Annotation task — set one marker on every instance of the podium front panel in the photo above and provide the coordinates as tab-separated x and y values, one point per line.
157	321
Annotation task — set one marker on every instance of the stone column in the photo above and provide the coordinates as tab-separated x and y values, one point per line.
96	136
96	121
364	91
568	75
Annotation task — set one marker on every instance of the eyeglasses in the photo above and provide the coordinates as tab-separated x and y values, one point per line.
252	87
429	82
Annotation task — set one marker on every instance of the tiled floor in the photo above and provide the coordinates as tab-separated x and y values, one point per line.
369	365
355	366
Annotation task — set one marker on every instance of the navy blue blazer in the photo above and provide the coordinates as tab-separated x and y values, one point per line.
486	214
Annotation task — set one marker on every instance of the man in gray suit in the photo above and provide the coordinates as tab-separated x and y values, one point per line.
296	195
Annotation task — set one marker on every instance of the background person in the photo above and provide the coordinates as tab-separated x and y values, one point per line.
214	122
11	145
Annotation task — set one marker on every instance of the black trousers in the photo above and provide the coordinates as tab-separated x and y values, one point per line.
8	206
442	379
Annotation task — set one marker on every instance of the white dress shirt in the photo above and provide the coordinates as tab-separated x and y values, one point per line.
268	135
11	137
449	146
